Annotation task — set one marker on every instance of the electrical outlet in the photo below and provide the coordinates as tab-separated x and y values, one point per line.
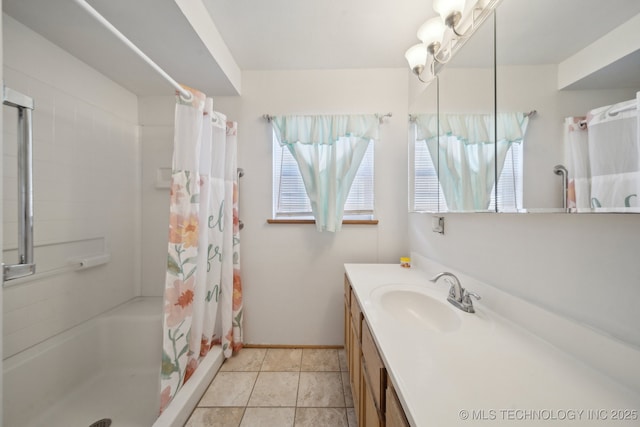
437	224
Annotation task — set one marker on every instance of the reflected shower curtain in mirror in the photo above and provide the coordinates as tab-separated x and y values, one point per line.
328	151
463	144
603	156
203	296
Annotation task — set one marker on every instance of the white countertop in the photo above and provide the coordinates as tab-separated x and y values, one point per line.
489	371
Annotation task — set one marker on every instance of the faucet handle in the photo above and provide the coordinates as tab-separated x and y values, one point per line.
452	287
468	294
467	304
466	298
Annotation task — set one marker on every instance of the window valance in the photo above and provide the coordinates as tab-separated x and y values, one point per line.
324	129
473	128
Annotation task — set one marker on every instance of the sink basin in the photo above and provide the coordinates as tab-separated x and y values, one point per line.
410	304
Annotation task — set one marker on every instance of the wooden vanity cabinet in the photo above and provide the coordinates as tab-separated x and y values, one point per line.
374	398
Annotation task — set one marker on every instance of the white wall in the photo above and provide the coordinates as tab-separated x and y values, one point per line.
156	141
86	189
292	275
582	266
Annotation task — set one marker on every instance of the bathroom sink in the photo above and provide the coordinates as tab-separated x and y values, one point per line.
411	305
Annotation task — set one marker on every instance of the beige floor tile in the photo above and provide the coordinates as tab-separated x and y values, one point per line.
248	359
275	389
282	359
351	417
229	389
268	417
346	387
320	359
342	357
321	417
215	417
321	389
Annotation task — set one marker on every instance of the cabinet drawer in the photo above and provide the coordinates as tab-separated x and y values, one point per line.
374	368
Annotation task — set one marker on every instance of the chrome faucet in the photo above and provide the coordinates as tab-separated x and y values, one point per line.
458	296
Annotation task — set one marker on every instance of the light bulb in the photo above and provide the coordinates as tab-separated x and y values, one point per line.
446	7
416	57
431	31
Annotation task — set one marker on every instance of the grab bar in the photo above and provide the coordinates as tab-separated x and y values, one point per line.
25	266
561	170
240	173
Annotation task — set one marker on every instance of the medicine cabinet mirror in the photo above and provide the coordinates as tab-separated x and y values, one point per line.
565	97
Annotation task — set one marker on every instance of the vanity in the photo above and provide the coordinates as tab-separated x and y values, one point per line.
416	360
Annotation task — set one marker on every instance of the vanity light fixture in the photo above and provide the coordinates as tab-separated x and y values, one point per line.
434	33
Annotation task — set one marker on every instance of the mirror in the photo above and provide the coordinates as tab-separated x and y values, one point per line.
452	132
565	61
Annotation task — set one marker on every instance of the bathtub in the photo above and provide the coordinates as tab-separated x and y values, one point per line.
107	367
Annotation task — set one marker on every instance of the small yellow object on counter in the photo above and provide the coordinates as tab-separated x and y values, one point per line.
405	262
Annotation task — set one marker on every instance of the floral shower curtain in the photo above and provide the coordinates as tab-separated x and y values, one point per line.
203	291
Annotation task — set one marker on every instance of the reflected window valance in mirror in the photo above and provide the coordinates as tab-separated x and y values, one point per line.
461	151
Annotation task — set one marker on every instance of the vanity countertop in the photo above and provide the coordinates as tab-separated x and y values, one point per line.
487	371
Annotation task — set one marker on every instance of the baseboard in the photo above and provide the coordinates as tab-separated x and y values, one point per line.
330	347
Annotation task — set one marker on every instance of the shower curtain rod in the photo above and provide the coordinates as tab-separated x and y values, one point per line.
185	93
616	111
269	117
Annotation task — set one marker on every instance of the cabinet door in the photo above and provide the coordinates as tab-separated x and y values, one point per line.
375	372
347	330
347	312
395	415
354	365
369	416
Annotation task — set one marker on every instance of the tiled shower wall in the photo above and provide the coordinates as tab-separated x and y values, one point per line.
86	189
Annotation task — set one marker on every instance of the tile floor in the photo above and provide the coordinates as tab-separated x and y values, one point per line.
278	388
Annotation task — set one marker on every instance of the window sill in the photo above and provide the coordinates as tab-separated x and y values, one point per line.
312	221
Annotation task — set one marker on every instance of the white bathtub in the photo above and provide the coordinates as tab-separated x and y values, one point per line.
107	367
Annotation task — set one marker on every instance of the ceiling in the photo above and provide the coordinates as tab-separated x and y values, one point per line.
288	34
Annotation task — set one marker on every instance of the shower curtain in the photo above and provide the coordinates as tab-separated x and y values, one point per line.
203	290
603	157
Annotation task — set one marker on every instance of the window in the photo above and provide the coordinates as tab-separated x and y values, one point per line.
426	190
427	193
290	199
510	181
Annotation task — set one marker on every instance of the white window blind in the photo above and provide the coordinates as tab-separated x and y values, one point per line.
427	193
510	181
426	187
290	198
